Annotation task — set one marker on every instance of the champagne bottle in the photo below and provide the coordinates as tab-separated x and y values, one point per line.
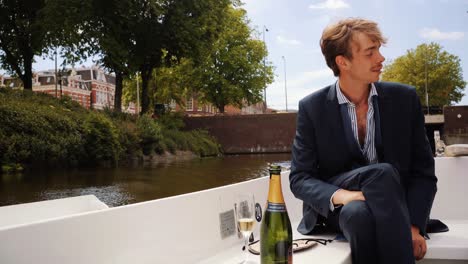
275	231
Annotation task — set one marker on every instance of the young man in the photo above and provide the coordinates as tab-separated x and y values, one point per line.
361	161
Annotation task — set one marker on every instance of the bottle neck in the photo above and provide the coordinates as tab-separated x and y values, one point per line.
275	193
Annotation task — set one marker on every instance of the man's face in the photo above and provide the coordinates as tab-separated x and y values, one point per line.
366	62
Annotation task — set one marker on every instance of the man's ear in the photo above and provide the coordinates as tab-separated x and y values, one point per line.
341	61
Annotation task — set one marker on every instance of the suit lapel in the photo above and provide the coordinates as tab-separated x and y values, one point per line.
383	123
378	130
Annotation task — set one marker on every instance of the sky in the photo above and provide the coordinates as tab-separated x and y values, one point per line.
295	27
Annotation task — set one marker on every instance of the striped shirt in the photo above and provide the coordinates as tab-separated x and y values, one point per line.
368	150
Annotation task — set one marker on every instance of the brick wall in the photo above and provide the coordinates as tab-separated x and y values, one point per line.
265	133
456	125
270	133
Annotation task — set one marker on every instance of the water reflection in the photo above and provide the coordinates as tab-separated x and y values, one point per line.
131	185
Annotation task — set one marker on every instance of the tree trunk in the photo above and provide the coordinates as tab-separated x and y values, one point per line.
221	108
145	75
27	77
118	91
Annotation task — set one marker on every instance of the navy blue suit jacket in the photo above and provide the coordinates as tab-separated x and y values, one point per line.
324	147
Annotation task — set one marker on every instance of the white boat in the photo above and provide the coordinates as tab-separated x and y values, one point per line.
186	228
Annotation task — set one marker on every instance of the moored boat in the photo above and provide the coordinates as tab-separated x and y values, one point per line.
186	228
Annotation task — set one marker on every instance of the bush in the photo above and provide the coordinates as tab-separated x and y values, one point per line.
129	139
37	133
101	139
204	144
170	144
149	133
172	121
39	130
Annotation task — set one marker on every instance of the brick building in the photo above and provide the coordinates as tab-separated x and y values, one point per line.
194	108
89	86
93	88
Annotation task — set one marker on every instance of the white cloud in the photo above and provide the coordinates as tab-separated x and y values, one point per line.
436	34
283	40
330	4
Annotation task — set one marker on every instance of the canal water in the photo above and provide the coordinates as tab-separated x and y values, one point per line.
126	185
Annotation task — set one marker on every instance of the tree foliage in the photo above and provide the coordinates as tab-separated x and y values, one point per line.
112	32
141	36
445	82
174	82
37	28
22	35
177	46
229	72
233	72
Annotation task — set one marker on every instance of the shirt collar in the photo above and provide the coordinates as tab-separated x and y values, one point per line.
342	98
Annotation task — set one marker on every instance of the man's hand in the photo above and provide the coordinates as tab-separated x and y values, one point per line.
344	197
419	243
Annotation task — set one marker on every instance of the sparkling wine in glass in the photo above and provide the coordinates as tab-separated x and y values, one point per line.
245	212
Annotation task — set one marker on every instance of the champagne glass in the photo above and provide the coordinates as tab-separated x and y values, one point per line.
245	212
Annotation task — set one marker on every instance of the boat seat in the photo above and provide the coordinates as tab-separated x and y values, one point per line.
442	248
451	245
334	253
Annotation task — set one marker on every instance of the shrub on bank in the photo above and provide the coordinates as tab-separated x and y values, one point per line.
101	139
197	141
39	130
149	133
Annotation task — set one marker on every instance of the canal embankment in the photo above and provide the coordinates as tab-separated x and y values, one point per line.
274	133
37	130
242	134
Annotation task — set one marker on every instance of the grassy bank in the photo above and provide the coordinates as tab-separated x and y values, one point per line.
39	130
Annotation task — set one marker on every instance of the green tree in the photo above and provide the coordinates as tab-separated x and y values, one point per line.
175	82
129	89
233	72
104	29
173	29
22	36
113	36
445	82
37	28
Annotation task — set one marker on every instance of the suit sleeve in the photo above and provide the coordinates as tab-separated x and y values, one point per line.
304	179
422	183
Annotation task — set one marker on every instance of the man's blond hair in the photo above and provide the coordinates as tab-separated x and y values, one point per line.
336	38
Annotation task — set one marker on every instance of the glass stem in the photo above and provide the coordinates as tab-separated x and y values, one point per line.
246	242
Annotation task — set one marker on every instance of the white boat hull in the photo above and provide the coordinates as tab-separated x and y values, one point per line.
185	229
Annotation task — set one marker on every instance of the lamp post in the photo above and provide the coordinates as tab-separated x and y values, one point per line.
425	77
285	86
138	96
60	75
265	29
56	73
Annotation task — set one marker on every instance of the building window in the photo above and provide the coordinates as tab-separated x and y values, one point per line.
172	104
200	107
189	105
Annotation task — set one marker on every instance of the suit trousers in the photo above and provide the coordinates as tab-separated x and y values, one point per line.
378	229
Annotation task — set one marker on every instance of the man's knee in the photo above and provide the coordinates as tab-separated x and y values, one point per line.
356	215
385	172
